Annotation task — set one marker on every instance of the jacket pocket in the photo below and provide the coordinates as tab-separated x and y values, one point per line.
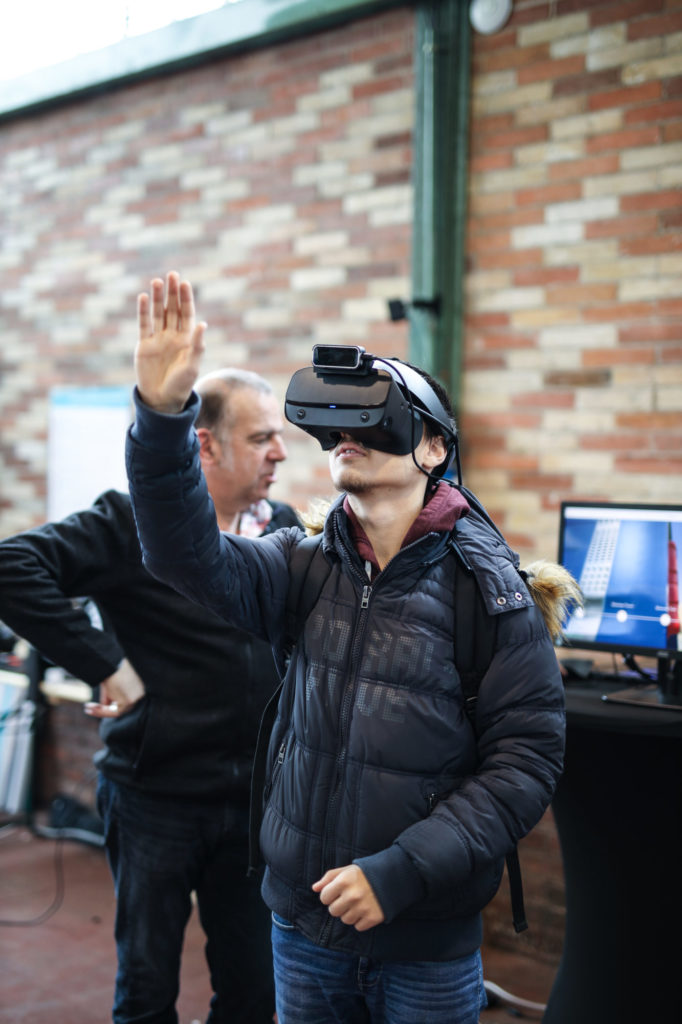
276	769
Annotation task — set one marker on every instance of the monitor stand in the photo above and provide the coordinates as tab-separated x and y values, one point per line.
666	692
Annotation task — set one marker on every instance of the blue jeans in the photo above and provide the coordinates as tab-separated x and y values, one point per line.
160	849
322	986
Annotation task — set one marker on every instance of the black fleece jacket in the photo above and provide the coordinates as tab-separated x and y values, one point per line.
194	732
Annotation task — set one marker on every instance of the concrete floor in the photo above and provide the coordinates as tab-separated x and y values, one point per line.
58	968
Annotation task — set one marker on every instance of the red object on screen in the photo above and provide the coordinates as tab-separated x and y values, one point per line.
673	592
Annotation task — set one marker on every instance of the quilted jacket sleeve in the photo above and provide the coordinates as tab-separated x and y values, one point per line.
243	580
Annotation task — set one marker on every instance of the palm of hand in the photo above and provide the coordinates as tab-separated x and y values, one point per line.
170	345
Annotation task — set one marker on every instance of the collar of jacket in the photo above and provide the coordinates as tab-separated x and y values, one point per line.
440	513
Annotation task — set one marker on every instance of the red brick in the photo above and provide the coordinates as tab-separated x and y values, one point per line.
622	227
586	83
666	442
671	132
627	97
565	7
612	442
395	62
511	138
650	332
581	294
509	57
620	311
618	357
371	51
494	123
376	87
584	378
626	139
668	307
663	25
509	258
671	355
665	199
528	14
555	399
491	162
624	12
545	275
480	241
249	203
648	420
479	436
510	218
672	242
540	482
483	321
653	464
544	194
654	112
587	168
673	87
551	69
505	39
485	361
398	177
487	203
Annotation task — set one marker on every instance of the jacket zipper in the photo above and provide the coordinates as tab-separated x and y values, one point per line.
346	704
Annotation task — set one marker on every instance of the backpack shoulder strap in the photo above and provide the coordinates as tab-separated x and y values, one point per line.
474	638
308	572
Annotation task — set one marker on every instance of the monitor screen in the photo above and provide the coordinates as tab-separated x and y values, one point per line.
625	558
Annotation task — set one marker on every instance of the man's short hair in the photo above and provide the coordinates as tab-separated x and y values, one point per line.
215	390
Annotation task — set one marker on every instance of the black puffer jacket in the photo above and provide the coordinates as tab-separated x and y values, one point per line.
372	757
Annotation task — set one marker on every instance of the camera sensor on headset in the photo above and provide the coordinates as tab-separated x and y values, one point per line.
339	357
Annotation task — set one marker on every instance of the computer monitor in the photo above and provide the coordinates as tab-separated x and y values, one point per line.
625	557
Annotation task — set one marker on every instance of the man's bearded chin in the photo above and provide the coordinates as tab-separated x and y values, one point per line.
352	483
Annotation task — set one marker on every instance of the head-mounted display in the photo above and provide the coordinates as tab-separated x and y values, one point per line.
380	402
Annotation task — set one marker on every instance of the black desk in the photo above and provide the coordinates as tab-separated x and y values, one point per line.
618	811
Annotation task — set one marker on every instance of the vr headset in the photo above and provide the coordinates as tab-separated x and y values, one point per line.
382	403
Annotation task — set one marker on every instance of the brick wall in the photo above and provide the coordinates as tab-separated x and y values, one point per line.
573	367
278	182
281	186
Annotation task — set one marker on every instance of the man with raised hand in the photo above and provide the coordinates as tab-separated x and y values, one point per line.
386	811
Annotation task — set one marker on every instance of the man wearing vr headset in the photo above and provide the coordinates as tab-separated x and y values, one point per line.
386	814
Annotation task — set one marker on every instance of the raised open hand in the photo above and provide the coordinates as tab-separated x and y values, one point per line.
170	344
